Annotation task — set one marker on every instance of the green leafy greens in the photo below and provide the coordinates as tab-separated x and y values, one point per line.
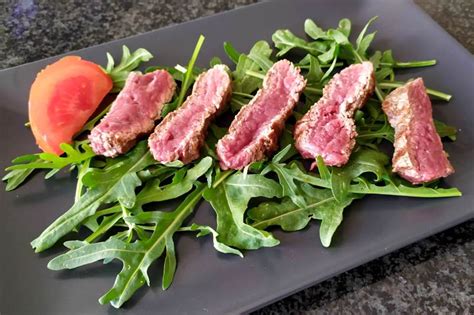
137	256
230	200
128	63
245	84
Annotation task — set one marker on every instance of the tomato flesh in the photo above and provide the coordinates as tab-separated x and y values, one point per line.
62	98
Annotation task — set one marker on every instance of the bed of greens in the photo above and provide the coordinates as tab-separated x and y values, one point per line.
118	203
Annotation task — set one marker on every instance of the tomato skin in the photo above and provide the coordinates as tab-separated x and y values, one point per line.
62	98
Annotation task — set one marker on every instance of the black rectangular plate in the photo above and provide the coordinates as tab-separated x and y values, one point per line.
206	281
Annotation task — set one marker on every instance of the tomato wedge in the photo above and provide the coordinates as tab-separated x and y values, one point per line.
62	98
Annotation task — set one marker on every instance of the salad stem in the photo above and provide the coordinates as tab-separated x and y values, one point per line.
338	64
314	90
399	190
103	228
131	226
396	84
81	170
410	64
189	71
222	177
106	211
255	74
243	94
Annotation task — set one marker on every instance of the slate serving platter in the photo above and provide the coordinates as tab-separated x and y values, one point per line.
206	281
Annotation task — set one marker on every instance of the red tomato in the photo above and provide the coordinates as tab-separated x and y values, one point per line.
62	98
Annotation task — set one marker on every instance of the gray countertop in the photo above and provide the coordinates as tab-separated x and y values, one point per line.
435	275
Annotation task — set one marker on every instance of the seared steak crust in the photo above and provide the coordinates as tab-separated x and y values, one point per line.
181	134
328	128
419	155
255	130
133	113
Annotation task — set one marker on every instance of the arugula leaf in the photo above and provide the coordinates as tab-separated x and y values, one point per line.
211	140
286	140
107	223
114	183
285	41
322	168
215	61
315	74
383	73
231	52
333	64
387	60
339	37
287	183
387	57
72	156
128	63
390	186
169	267
260	54
230	199
258	58
15	178
376	58
362	161
344	27
320	205
314	31
136	257
23	166
285	177
242	81
174	164
206	230
182	183
158	171
445	130
178	187
384	131
363	42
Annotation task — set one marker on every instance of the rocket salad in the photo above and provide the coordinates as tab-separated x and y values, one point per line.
111	193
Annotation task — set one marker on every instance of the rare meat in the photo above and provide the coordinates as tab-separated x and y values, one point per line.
328	128
419	155
255	130
181	133
133	113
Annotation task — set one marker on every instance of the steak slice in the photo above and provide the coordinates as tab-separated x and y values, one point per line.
180	135
133	113
328	128
419	155
255	130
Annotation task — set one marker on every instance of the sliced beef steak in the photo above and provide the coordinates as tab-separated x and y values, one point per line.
133	113
419	155
328	128
255	130
181	134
